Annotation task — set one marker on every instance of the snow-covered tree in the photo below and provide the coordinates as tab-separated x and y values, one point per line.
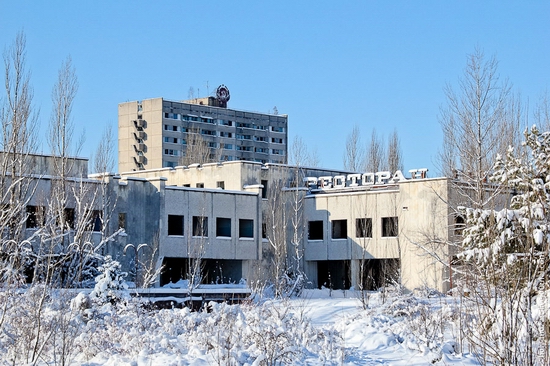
508	264
110	284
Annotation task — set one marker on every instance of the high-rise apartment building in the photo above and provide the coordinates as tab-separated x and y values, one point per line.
158	133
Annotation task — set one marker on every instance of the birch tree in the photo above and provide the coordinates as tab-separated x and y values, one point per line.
276	222
354	155
475	125
376	154
196	150
18	140
395	154
18	121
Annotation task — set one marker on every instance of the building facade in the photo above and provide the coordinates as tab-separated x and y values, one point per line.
355	229
352	230
158	133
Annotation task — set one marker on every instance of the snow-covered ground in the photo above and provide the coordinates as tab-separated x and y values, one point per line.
321	327
380	335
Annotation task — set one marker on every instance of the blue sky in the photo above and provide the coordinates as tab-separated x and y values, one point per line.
327	64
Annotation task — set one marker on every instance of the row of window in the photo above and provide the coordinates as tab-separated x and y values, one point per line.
221	122
200	226
275	140
36	217
363	228
214	145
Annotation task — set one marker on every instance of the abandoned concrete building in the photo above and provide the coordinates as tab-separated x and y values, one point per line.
345	228
373	226
158	133
369	227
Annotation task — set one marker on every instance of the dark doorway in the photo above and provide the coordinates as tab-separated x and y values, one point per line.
175	269
218	271
377	273
333	274
214	271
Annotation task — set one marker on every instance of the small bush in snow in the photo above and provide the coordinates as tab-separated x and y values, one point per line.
110	285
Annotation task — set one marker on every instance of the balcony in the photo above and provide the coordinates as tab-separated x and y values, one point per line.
140	123
140	135
140	147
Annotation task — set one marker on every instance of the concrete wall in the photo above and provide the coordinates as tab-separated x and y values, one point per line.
146	198
212	204
262	129
421	211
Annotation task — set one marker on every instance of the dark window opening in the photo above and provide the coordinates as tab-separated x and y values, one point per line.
199	185
122	220
460	224
363	228
220	184
223	227
218	271
315	231
264	230
200	226
264	188
339	229
175	225
97	222
333	274
457	261
35	216
377	273
389	226
68	216
246	228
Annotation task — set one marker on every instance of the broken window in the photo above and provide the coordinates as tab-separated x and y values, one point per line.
223	227
246	228
175	225
96	224
460	224
339	229
389	226
264	230
363	228
220	184
122	220
35	216
200	226
264	188
68	214
199	185
315	230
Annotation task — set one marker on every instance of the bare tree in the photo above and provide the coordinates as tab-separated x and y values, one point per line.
18	121
103	165
301	156
474	124
296	275
276	222
355	155
61	131
314	159
542	112
196	150
376	154
104	156
395	155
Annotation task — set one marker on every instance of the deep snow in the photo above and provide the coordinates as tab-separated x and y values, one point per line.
328	327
